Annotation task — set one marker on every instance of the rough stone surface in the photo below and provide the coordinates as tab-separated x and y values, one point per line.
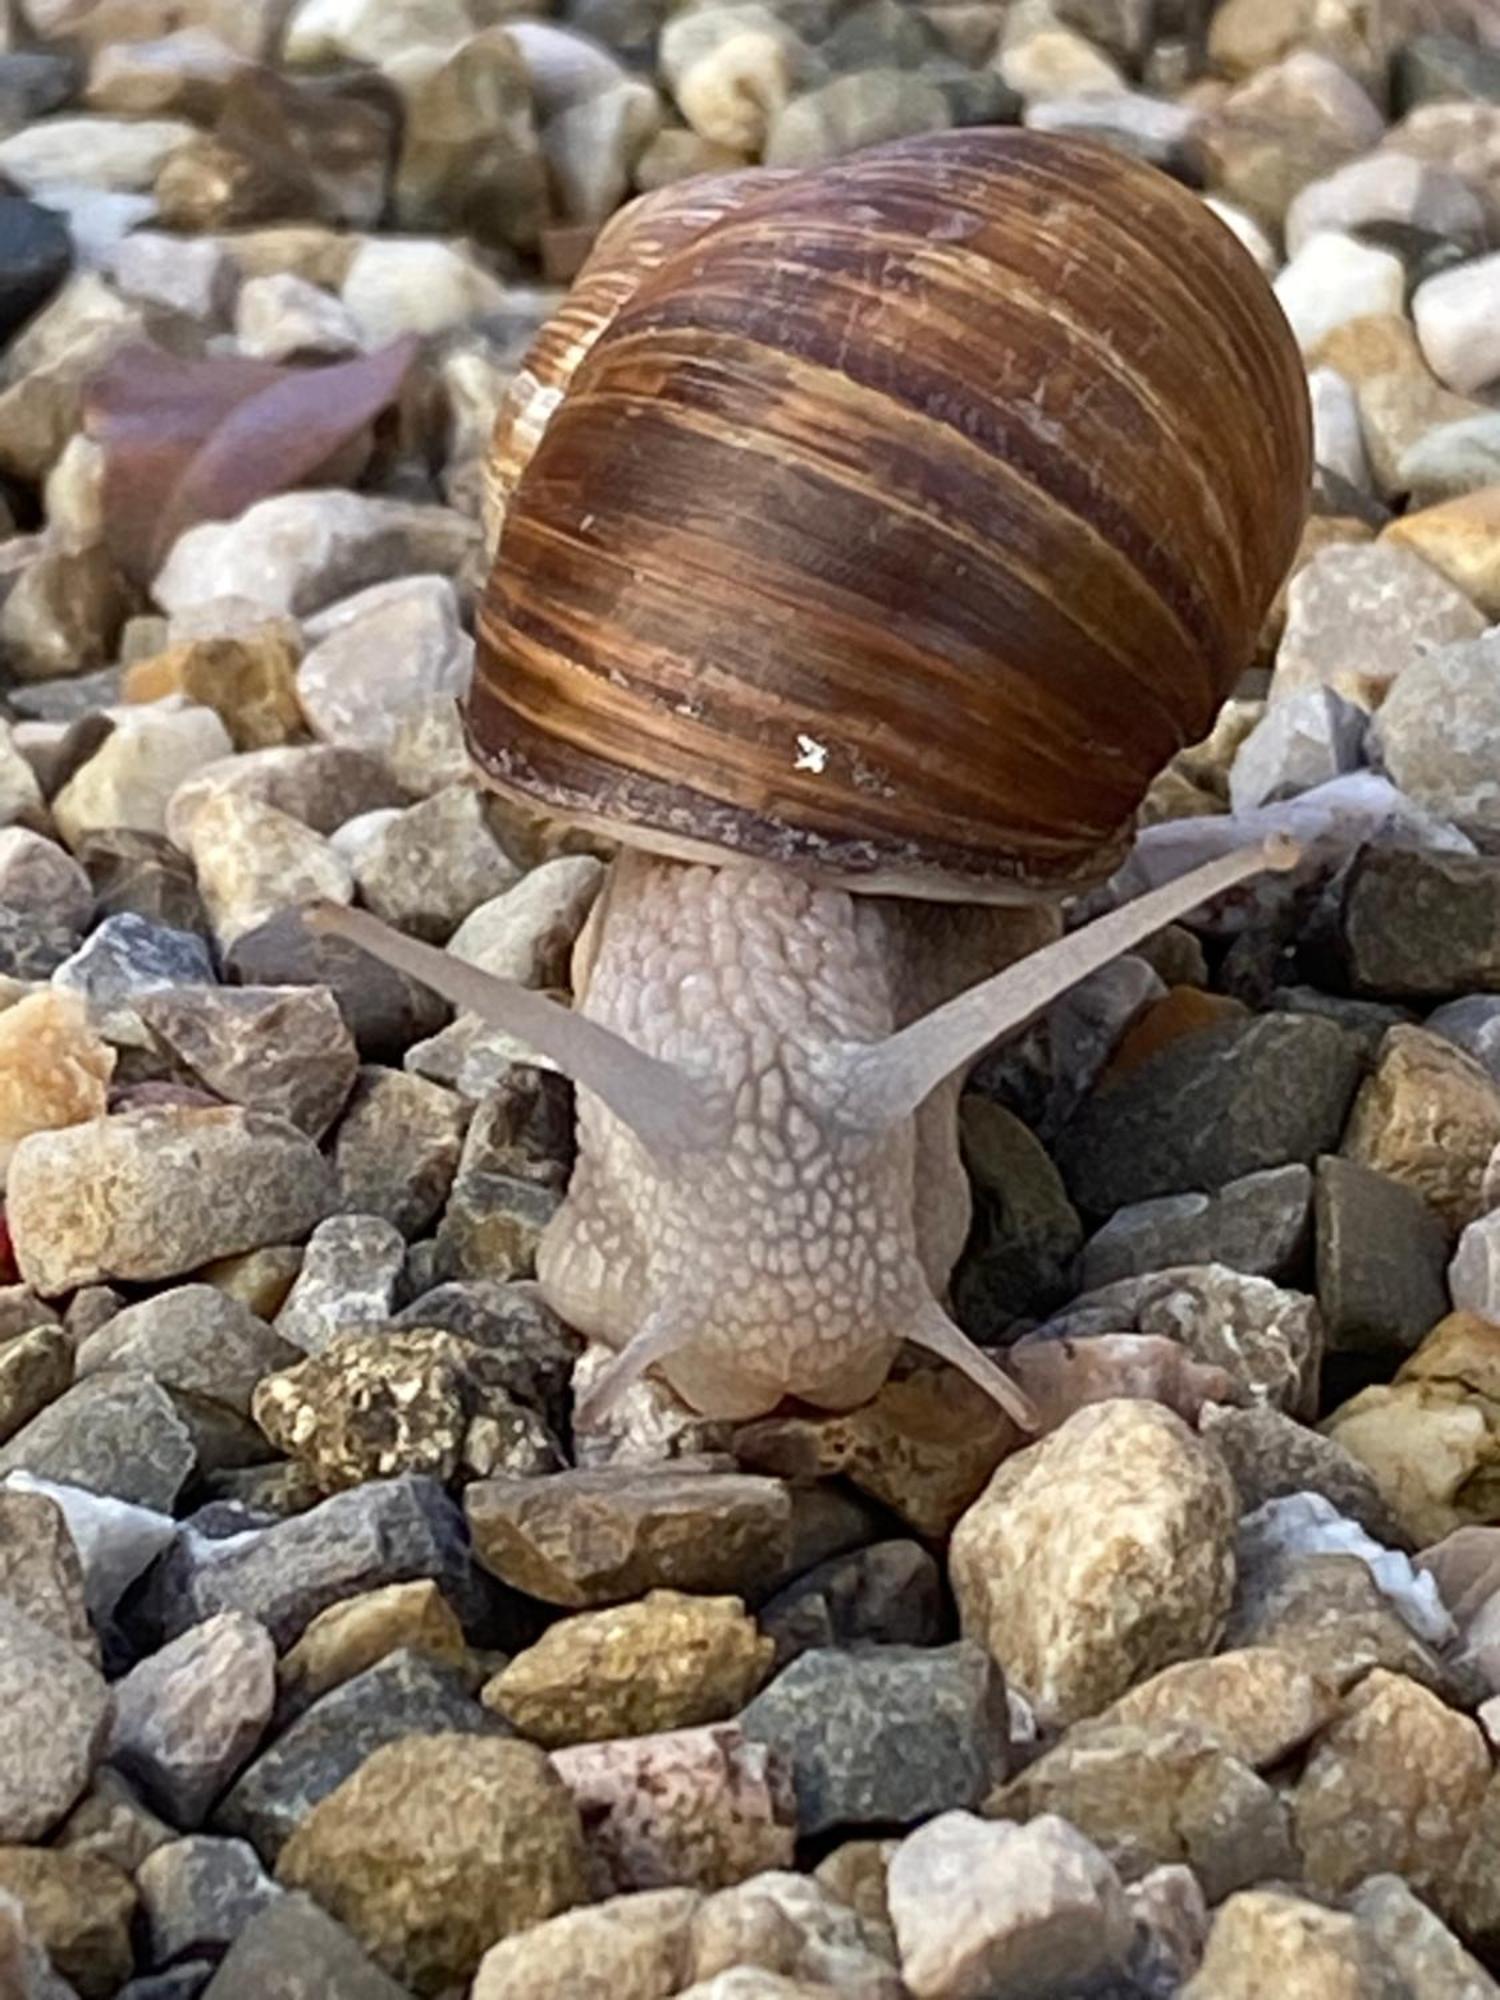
198	1894
1007	1911
1380	1259
668	1662
188	1717
283	1051
54	1070
192	1338
1358	617
438	1847
632	1947
888	1594
117	1434
57	1711
1420	926
349	1277
1430	1118
1271	1457
293	1950
884	1736
1270	1940
1258	1225
79	1909
157	1193
358	1633
1257	1703
1098	1557
397	1148
40	1574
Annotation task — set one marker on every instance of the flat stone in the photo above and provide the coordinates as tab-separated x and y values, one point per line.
293	1950
79	1909
1393	1786
372	1407
1161	1793
283	1576
1429	1118
668	1662
158	1193
397	1148
405	1695
349	1278
358	1633
40	1574
285	1051
198	1894
890	1594
1270	1457
1359	615
1051	1576
1380	1260
187	1718
582	1539
886	1736
1255	1702
116	1434
1266	1338
58	1714
300	552
385	1011
1257	1225
696	1808
1217	1104
438	1847
192	1338
631	1945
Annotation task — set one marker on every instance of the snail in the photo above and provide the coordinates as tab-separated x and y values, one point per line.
881	532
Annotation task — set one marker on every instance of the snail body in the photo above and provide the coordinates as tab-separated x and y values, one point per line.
889	527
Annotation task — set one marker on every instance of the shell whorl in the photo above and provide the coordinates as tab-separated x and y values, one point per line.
902	522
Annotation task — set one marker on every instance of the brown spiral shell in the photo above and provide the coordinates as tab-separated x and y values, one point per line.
902	525
636	241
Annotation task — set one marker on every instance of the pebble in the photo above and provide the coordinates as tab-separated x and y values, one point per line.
254	861
384	1010
198	1894
1473	1023
283	318
403	1696
249	681
119	154
888	1594
418	286
320	784
1333	279
887	1736
40	1574
129	779
1420	925
35	254
1312	1953
1453	458
1257	1703
1338	437
143	875
185	1186
1429	1117
634	1944
187	1718
1302	741
1455	314
434	865
1472	1276
1025	1234
393	1531
1308	1524
516	1328
668	1662
187	275
872	107
35	1369
1053	1582
57	1711
528	932
1457	538
54	1071
123	960
1257	1225
730	72
421	1402
1434	732
1156	1795
1359	615
1014	1912
293	1950
282	1051
1230	1099
1408	1936
700	1808
1400	399
116	1434
1394	1785
1381	1254
79	1909
190	1338
438	1847
359	1632
300	552
397	1148
584	1539
413	627
115	1541
1387	187
350	1273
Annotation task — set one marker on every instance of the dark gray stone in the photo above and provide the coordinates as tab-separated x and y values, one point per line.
392	1531
183	1982
1367	1020
1432	69
143	875
56	1710
1209	1108
129	956
397	1148
33	943
294	1951
512	1321
1381	1259
1421	926
404	1694
385	1011
1258	1225
198	1894
285	1050
193	1338
1474	1024
512	1175
36	253
885	1735
116	1434
1271	1456
890	1594
1026	1234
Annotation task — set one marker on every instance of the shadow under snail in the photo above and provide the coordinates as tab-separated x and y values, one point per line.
869	539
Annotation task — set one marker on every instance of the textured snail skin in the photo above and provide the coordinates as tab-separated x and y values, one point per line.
902	524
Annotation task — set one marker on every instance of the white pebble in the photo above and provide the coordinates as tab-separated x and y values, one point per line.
1458	323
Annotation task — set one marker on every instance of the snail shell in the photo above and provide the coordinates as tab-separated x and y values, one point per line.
900	523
